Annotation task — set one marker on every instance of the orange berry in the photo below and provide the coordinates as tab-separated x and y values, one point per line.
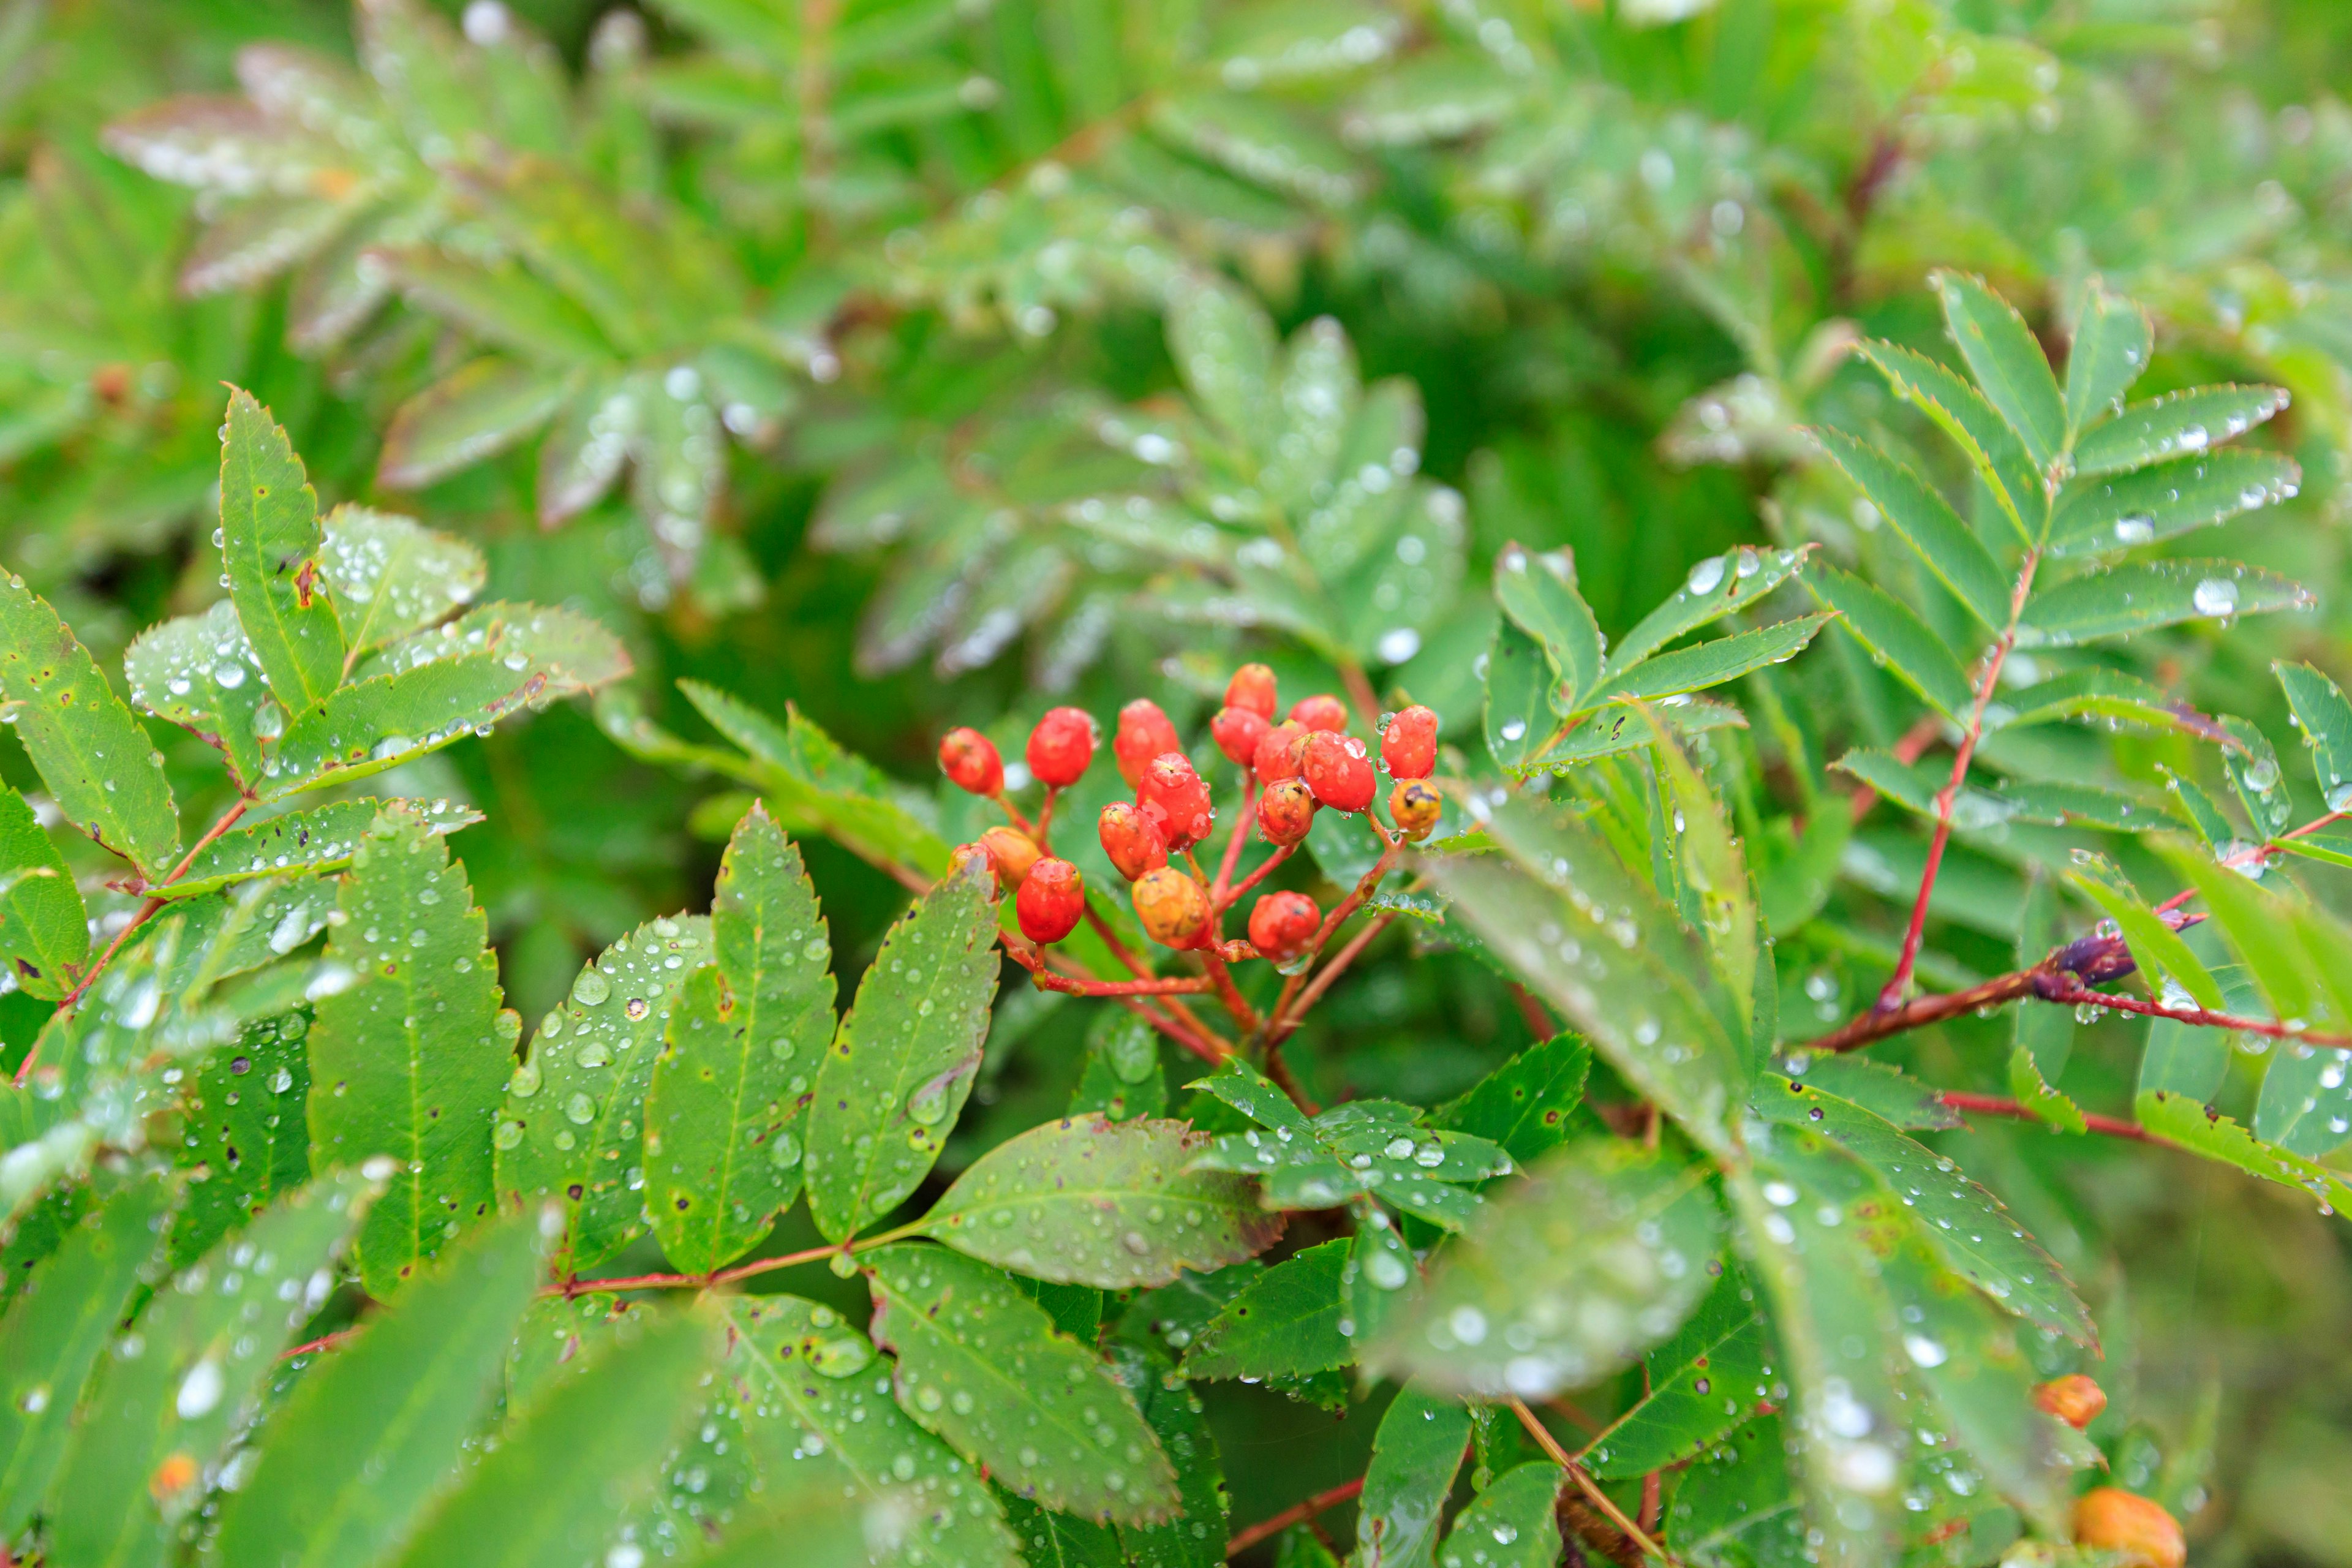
1062	746
1252	688
1281	924
1320	712
1052	900
2134	1526
1274	759
1340	771
1173	907
1285	811
1013	851
1409	745
1177	799
1144	733
176	1475
970	759
2073	1399
1131	839
1413	806
1237	732
963	855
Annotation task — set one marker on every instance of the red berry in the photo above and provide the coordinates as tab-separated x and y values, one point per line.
1274	759
1061	746
1177	799
969	758
963	855
1282	923
1051	901
1409	745
1340	771
1322	711
1285	811
1413	806
1013	851
2138	1529
1252	688
2075	1399
1237	732
1144	733
1131	839
1173	907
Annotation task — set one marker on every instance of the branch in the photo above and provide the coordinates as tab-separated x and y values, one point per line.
1218	898
1892	996
1992	1105
1233	895
1324	977
2082	995
1585	1484
1295	1514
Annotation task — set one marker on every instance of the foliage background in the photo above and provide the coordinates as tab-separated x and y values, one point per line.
1615	252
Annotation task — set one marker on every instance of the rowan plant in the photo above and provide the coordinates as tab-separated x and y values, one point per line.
1465	786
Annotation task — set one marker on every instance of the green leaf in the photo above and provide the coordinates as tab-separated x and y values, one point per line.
1945	544
2260	927
1714	588
1881	1089
208	1342
774	949
247	1142
2325	718
1528	1104
1415	1455
1110	1204
1967	1226
901	1064
1195	1537
2031	1089
2042	1038
44	928
570	1128
300	842
720	1159
392	576
1625	727
2178	423
1713	869
1539	592
474	412
501	304
1983	436
2109	695
1380	1265
1225	350
1633	980
270	543
2182	1118
2155	945
50	1340
982	1365
2007	361
2147	594
570	1465
795	1368
1702	665
1600	1254
105	775
1122	1078
2096	517
418	695
1057	1541
1712	1374
345	1465
1283	1323
409	1057
2112	339
200	673
1519	682
1736	1507
1898	639
1511	1524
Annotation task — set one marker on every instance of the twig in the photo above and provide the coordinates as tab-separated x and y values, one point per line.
1947	798
1992	1105
1585	1483
1233	856
1233	895
2254	852
1244	1015
1295	1514
2081	996
147	912
1330	972
323	1342
571	1290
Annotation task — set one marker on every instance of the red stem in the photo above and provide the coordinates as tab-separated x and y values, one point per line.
2254	852
1297	1513
1896	989
1992	1105
1233	856
2197	1015
1233	895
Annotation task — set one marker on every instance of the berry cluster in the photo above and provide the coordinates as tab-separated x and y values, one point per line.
1292	768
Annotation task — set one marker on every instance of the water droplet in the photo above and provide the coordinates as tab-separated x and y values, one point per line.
1706	576
592	987
580	1110
201	1390
2215	596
